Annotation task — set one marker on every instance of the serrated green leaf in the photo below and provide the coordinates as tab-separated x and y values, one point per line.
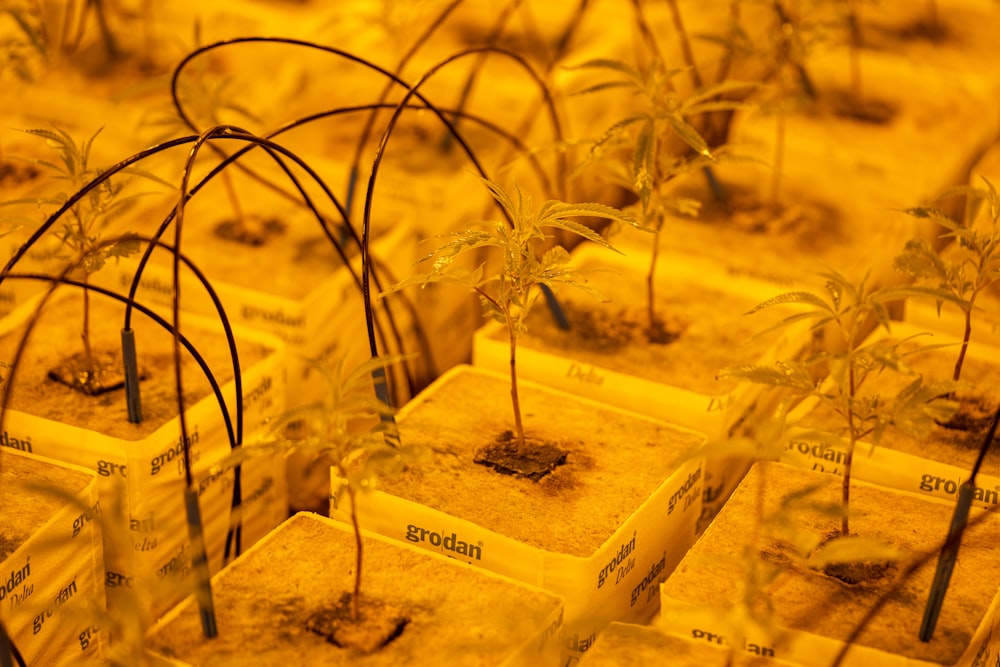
805	298
555	256
853	549
903	292
605	85
919	260
721	88
688	134
610	64
791	374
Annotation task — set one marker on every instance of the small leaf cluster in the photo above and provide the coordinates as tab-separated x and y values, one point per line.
350	426
509	294
664	110
81	230
836	376
970	265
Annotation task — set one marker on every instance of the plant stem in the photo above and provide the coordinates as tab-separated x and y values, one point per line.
85	332
849	458
725	65
966	337
685	44
651	284
515	401
708	127
358	548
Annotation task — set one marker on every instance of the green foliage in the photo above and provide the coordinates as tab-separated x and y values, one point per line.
663	110
853	549
848	310
632	150
345	428
81	234
970	265
509	294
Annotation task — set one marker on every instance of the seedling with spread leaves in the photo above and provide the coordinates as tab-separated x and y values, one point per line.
957	279
348	429
847	311
509	294
646	169
82	242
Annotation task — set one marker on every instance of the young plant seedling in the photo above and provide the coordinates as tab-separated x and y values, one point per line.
208	100
957	279
346	429
646	169
509	294
791	41
848	310
83	245
855	104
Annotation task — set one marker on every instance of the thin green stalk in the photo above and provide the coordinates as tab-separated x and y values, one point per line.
966	337
845	529
685	43
651	284
358	552
515	400
85	332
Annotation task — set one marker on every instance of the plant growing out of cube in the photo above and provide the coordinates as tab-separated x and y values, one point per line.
957	279
847	311
646	168
346	429
508	294
82	242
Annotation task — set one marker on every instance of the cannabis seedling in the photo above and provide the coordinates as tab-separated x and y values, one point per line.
346	428
81	234
646	171
509	294
848	310
787	48
959	280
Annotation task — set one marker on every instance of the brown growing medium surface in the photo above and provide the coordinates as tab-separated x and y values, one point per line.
58	335
954	446
799	597
708	329
614	463
457	614
784	241
293	240
25	509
